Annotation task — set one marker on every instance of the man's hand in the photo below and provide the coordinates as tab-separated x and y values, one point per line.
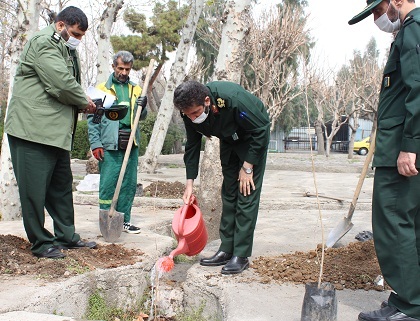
406	164
142	101
90	107
246	181
98	153
188	192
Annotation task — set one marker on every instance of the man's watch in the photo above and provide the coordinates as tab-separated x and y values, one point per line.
248	170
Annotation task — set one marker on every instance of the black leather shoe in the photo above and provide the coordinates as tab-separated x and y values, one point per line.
399	316
220	258
51	253
386	313
79	244
236	265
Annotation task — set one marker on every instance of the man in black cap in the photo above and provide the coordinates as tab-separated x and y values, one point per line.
381	9
396	189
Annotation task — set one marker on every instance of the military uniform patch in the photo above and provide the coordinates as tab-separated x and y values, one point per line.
56	37
221	103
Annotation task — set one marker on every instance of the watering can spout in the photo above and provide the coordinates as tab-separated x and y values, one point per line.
182	248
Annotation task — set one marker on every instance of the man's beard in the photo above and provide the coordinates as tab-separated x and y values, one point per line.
393	13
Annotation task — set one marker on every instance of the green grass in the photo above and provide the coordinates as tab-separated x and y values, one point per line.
195	315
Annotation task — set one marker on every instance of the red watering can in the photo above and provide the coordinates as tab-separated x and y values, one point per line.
190	232
189	229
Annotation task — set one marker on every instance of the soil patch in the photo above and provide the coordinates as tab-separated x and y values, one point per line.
354	266
164	189
351	267
17	259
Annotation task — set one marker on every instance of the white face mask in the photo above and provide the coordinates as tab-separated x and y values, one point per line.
387	25
72	43
202	117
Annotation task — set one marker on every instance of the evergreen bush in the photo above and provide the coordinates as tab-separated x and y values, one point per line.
81	144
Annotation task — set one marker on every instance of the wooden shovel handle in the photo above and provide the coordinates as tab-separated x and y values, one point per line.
131	139
362	175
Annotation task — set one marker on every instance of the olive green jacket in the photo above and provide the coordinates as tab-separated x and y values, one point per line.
399	100
238	118
46	95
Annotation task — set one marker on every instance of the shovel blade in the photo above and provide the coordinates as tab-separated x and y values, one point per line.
111	226
338	232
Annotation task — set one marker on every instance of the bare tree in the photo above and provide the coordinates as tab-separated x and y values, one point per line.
275	40
236	27
176	76
5	34
332	102
25	24
107	20
365	85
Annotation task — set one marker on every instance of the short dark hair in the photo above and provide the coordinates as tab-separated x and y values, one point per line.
73	16
190	94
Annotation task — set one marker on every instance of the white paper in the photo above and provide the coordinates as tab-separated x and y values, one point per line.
95	93
90	183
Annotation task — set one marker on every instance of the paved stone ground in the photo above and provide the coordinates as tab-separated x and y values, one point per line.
288	222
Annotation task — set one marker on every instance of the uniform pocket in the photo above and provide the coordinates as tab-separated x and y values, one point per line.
389	123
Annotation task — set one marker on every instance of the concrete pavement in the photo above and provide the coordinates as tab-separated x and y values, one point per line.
287	222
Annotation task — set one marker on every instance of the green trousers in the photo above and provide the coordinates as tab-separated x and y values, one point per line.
239	212
396	232
110	169
44	180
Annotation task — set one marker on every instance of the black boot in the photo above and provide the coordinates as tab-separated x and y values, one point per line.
220	258
235	265
386	313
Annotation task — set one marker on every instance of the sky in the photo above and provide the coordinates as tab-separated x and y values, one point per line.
335	38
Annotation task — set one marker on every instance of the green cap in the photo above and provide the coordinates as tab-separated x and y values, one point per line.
370	5
116	112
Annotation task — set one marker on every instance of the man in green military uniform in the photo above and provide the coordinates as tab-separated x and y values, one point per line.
108	140
396	190
41	122
240	120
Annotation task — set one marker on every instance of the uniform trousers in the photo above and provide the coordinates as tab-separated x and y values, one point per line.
396	232
109	170
239	212
45	180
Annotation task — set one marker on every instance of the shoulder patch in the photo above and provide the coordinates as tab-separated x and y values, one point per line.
56	37
221	103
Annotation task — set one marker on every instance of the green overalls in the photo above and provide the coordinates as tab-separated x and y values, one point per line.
105	135
396	198
240	121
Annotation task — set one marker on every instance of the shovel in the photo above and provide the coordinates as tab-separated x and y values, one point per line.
345	225
110	221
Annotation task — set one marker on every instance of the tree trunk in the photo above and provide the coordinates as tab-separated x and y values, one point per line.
104	44
319	137
25	25
177	74
228	67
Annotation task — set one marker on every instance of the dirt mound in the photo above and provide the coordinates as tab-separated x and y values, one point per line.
354	266
17	259
165	189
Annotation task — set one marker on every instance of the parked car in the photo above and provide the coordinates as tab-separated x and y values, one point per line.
362	147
